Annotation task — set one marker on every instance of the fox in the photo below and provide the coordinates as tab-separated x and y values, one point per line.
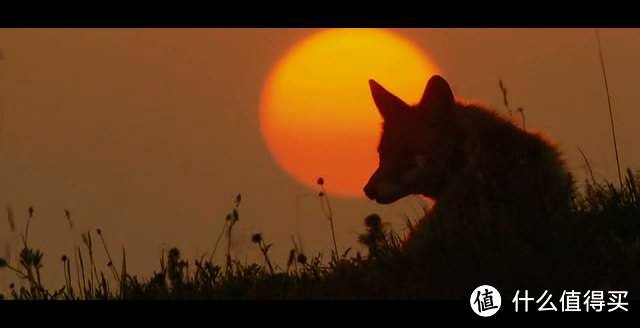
499	191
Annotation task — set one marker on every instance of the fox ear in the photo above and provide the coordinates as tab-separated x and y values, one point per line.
387	103
437	94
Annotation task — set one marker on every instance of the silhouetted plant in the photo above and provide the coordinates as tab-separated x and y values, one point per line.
328	212
264	249
597	248
611	120
505	102
232	219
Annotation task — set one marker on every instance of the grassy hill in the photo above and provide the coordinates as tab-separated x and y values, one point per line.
597	247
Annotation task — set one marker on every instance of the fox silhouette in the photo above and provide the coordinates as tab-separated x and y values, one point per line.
498	190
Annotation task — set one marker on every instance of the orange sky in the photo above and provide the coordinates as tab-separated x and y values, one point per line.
148	134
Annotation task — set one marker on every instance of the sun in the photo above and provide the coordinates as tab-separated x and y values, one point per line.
316	112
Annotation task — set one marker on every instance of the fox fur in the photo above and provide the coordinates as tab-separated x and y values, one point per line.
498	190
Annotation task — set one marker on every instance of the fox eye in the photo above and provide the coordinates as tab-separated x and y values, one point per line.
419	161
416	161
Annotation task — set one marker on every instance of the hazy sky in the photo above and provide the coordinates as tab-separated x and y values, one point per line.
149	134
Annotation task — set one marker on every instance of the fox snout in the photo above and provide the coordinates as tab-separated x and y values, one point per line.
383	190
370	190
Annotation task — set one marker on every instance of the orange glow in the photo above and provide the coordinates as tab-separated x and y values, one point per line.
317	116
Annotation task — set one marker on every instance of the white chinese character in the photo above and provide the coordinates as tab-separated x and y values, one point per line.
542	307
526	300
615	299
570	301
594	299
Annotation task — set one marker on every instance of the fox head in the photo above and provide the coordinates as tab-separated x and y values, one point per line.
417	143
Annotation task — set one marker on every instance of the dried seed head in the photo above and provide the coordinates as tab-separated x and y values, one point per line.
30	211
99	231
64	258
174	253
256	238
302	259
3	263
320	181
373	221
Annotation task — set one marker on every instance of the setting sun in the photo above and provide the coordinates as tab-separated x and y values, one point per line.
317	115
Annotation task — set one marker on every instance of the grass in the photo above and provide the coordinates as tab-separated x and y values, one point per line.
606	89
599	248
